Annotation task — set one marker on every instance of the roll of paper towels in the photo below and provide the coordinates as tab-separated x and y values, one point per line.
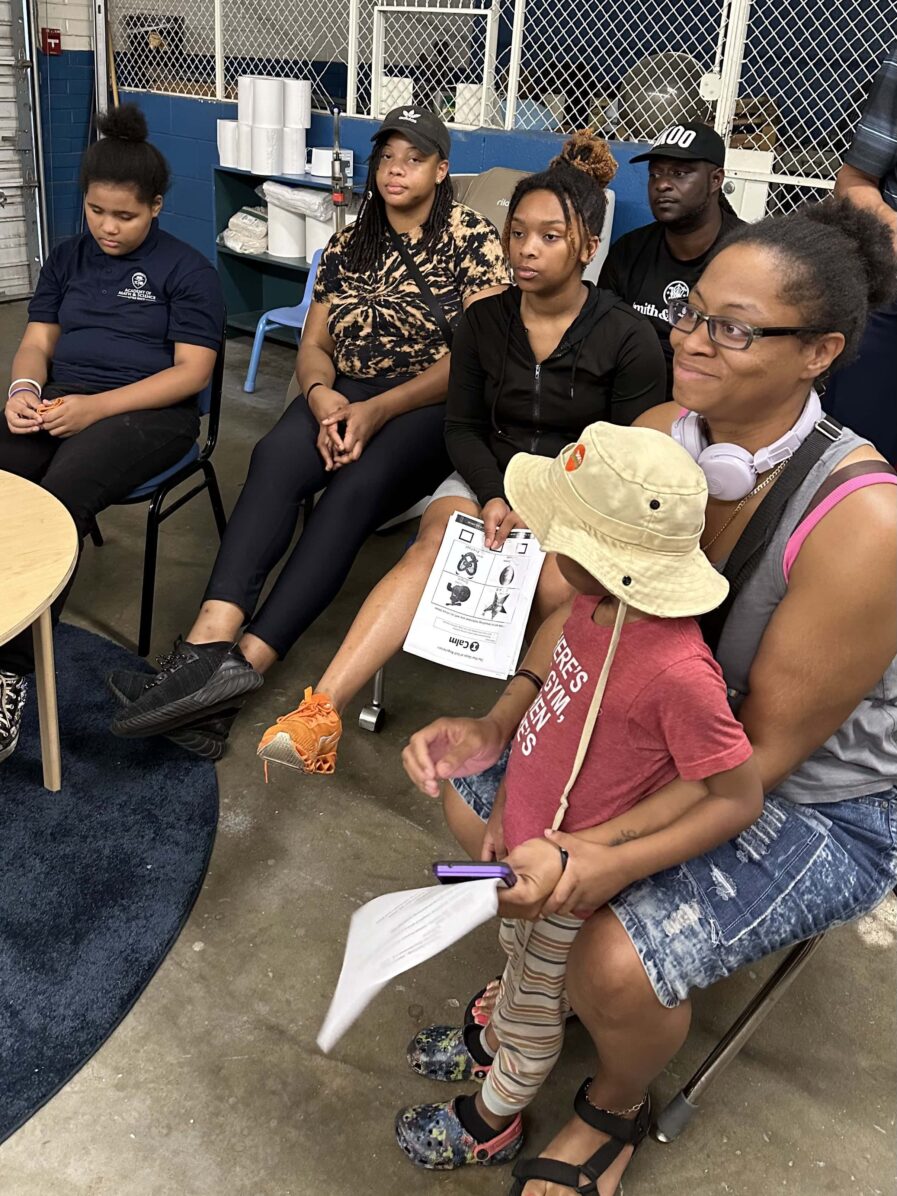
296	104
286	233
267	103
244	145
320	162
318	233
294	153
244	99
228	143
267	150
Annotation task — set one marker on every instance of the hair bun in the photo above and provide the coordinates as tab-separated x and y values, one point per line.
872	241
590	154
126	123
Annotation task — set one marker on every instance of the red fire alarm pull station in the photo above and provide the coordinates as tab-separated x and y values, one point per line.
51	41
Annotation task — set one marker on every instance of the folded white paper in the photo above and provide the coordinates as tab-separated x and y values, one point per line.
396	932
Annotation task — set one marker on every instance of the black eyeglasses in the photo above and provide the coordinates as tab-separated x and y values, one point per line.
728	334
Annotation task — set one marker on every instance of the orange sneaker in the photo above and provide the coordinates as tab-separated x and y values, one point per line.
306	738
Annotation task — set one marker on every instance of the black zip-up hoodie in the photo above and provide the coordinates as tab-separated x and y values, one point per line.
501	401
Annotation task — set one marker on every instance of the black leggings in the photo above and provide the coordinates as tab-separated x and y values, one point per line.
90	471
400	465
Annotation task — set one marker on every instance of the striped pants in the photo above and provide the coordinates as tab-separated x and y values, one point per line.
530	1011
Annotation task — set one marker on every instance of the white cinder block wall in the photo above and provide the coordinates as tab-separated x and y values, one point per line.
73	18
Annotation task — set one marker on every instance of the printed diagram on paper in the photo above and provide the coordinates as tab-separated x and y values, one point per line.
474	609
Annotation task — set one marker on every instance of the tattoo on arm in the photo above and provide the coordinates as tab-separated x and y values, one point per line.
625	837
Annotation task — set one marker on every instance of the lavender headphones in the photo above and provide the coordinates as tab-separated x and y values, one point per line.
732	471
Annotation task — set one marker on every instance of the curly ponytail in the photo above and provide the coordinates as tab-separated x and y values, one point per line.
578	177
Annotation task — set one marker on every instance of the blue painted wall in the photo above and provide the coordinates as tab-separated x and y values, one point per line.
66	85
185	131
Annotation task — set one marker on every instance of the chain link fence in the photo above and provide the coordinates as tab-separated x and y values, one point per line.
169	47
440	58
804	80
627	69
308	39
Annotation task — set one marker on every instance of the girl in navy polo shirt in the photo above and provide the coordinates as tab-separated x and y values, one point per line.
122	334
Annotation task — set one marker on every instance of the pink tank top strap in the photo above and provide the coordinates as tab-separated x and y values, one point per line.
836	487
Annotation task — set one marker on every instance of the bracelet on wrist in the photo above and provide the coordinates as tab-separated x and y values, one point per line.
530	676
32	383
311	388
23	390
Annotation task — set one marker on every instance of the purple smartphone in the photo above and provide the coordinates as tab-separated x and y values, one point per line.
452	872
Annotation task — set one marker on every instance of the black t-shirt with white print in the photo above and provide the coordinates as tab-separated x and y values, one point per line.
643	272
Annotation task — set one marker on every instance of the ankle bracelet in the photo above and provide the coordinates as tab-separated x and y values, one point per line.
616	1112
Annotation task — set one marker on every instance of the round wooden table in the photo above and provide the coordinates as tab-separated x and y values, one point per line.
38	551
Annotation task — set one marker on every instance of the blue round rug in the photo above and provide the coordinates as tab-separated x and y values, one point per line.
96	881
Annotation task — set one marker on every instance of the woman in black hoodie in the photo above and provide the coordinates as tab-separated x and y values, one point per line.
531	367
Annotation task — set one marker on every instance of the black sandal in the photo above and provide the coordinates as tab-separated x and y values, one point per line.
622	1132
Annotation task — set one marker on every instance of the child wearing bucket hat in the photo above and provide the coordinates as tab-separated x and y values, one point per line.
632	698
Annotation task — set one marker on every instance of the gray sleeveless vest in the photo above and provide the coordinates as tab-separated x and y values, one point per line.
861	756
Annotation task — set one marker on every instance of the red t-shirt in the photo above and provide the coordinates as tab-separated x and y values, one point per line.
664	714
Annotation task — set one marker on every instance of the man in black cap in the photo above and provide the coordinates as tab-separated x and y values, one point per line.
653	265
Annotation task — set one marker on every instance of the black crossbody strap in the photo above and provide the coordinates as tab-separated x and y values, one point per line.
429	298
748	552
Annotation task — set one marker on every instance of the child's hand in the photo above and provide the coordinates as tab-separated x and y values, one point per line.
494	839
452	747
592	876
537	866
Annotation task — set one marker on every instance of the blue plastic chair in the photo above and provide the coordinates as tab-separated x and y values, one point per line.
196	460
281	317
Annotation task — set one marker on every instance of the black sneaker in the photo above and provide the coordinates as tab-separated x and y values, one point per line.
13	689
194	682
207	738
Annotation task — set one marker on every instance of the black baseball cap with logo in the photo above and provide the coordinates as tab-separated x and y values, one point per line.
422	128
694	142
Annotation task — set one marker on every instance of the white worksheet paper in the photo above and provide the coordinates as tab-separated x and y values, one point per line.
476	603
396	932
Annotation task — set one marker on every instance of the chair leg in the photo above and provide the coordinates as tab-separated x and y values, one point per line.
255	357
95	534
672	1120
208	470
148	589
371	717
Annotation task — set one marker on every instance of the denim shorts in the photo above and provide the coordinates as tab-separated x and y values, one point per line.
797	871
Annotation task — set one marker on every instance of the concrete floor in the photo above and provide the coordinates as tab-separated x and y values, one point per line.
213	1085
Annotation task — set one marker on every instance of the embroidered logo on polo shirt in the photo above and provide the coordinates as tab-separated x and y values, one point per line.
138	289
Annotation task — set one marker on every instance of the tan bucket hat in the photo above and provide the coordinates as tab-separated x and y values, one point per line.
627	504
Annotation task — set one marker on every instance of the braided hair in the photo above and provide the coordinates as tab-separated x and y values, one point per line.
836	262
124	156
367	241
578	177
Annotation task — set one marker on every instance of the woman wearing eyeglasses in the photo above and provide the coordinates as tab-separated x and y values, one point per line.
808	649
